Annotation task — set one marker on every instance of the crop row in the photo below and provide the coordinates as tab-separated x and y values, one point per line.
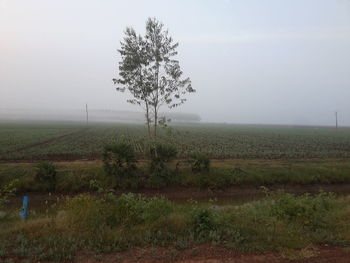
64	141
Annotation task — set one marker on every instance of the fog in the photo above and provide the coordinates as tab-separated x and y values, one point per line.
251	61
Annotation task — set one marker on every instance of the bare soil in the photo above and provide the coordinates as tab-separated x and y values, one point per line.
212	254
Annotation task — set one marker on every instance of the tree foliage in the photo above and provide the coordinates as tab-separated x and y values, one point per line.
149	71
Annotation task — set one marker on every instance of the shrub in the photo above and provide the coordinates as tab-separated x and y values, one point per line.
160	155
120	162
46	175
199	162
202	223
128	210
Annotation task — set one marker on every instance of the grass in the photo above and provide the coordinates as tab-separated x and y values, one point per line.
282	222
78	177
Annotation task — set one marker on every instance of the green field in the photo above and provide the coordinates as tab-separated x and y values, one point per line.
73	141
232	205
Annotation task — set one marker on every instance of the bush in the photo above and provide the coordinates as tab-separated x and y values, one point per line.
160	155
128	210
199	162
46	176
202	223
120	163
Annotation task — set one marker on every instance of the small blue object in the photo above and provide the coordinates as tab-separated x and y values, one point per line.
24	211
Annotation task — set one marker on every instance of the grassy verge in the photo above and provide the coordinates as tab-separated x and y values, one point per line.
282	222
83	177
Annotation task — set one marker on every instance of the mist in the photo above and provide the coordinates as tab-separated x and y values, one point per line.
251	61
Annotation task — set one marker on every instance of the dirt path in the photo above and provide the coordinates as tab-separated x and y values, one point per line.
211	254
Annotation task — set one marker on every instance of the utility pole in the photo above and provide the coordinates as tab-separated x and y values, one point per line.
87	115
336	120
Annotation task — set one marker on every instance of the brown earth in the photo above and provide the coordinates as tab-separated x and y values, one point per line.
213	254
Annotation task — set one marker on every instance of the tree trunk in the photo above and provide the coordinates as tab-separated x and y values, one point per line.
148	122
155	122
156	101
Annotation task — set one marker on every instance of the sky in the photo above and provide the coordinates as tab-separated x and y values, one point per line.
251	61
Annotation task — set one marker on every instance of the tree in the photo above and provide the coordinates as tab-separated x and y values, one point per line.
150	72
133	71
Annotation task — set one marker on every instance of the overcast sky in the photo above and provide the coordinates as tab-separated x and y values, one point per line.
251	61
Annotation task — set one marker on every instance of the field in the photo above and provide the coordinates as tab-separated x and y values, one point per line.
74	141
264	197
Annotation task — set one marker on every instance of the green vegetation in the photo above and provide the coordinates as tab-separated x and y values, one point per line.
6	191
199	162
160	156
54	141
46	176
151	73
110	224
120	163
76	177
100	221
